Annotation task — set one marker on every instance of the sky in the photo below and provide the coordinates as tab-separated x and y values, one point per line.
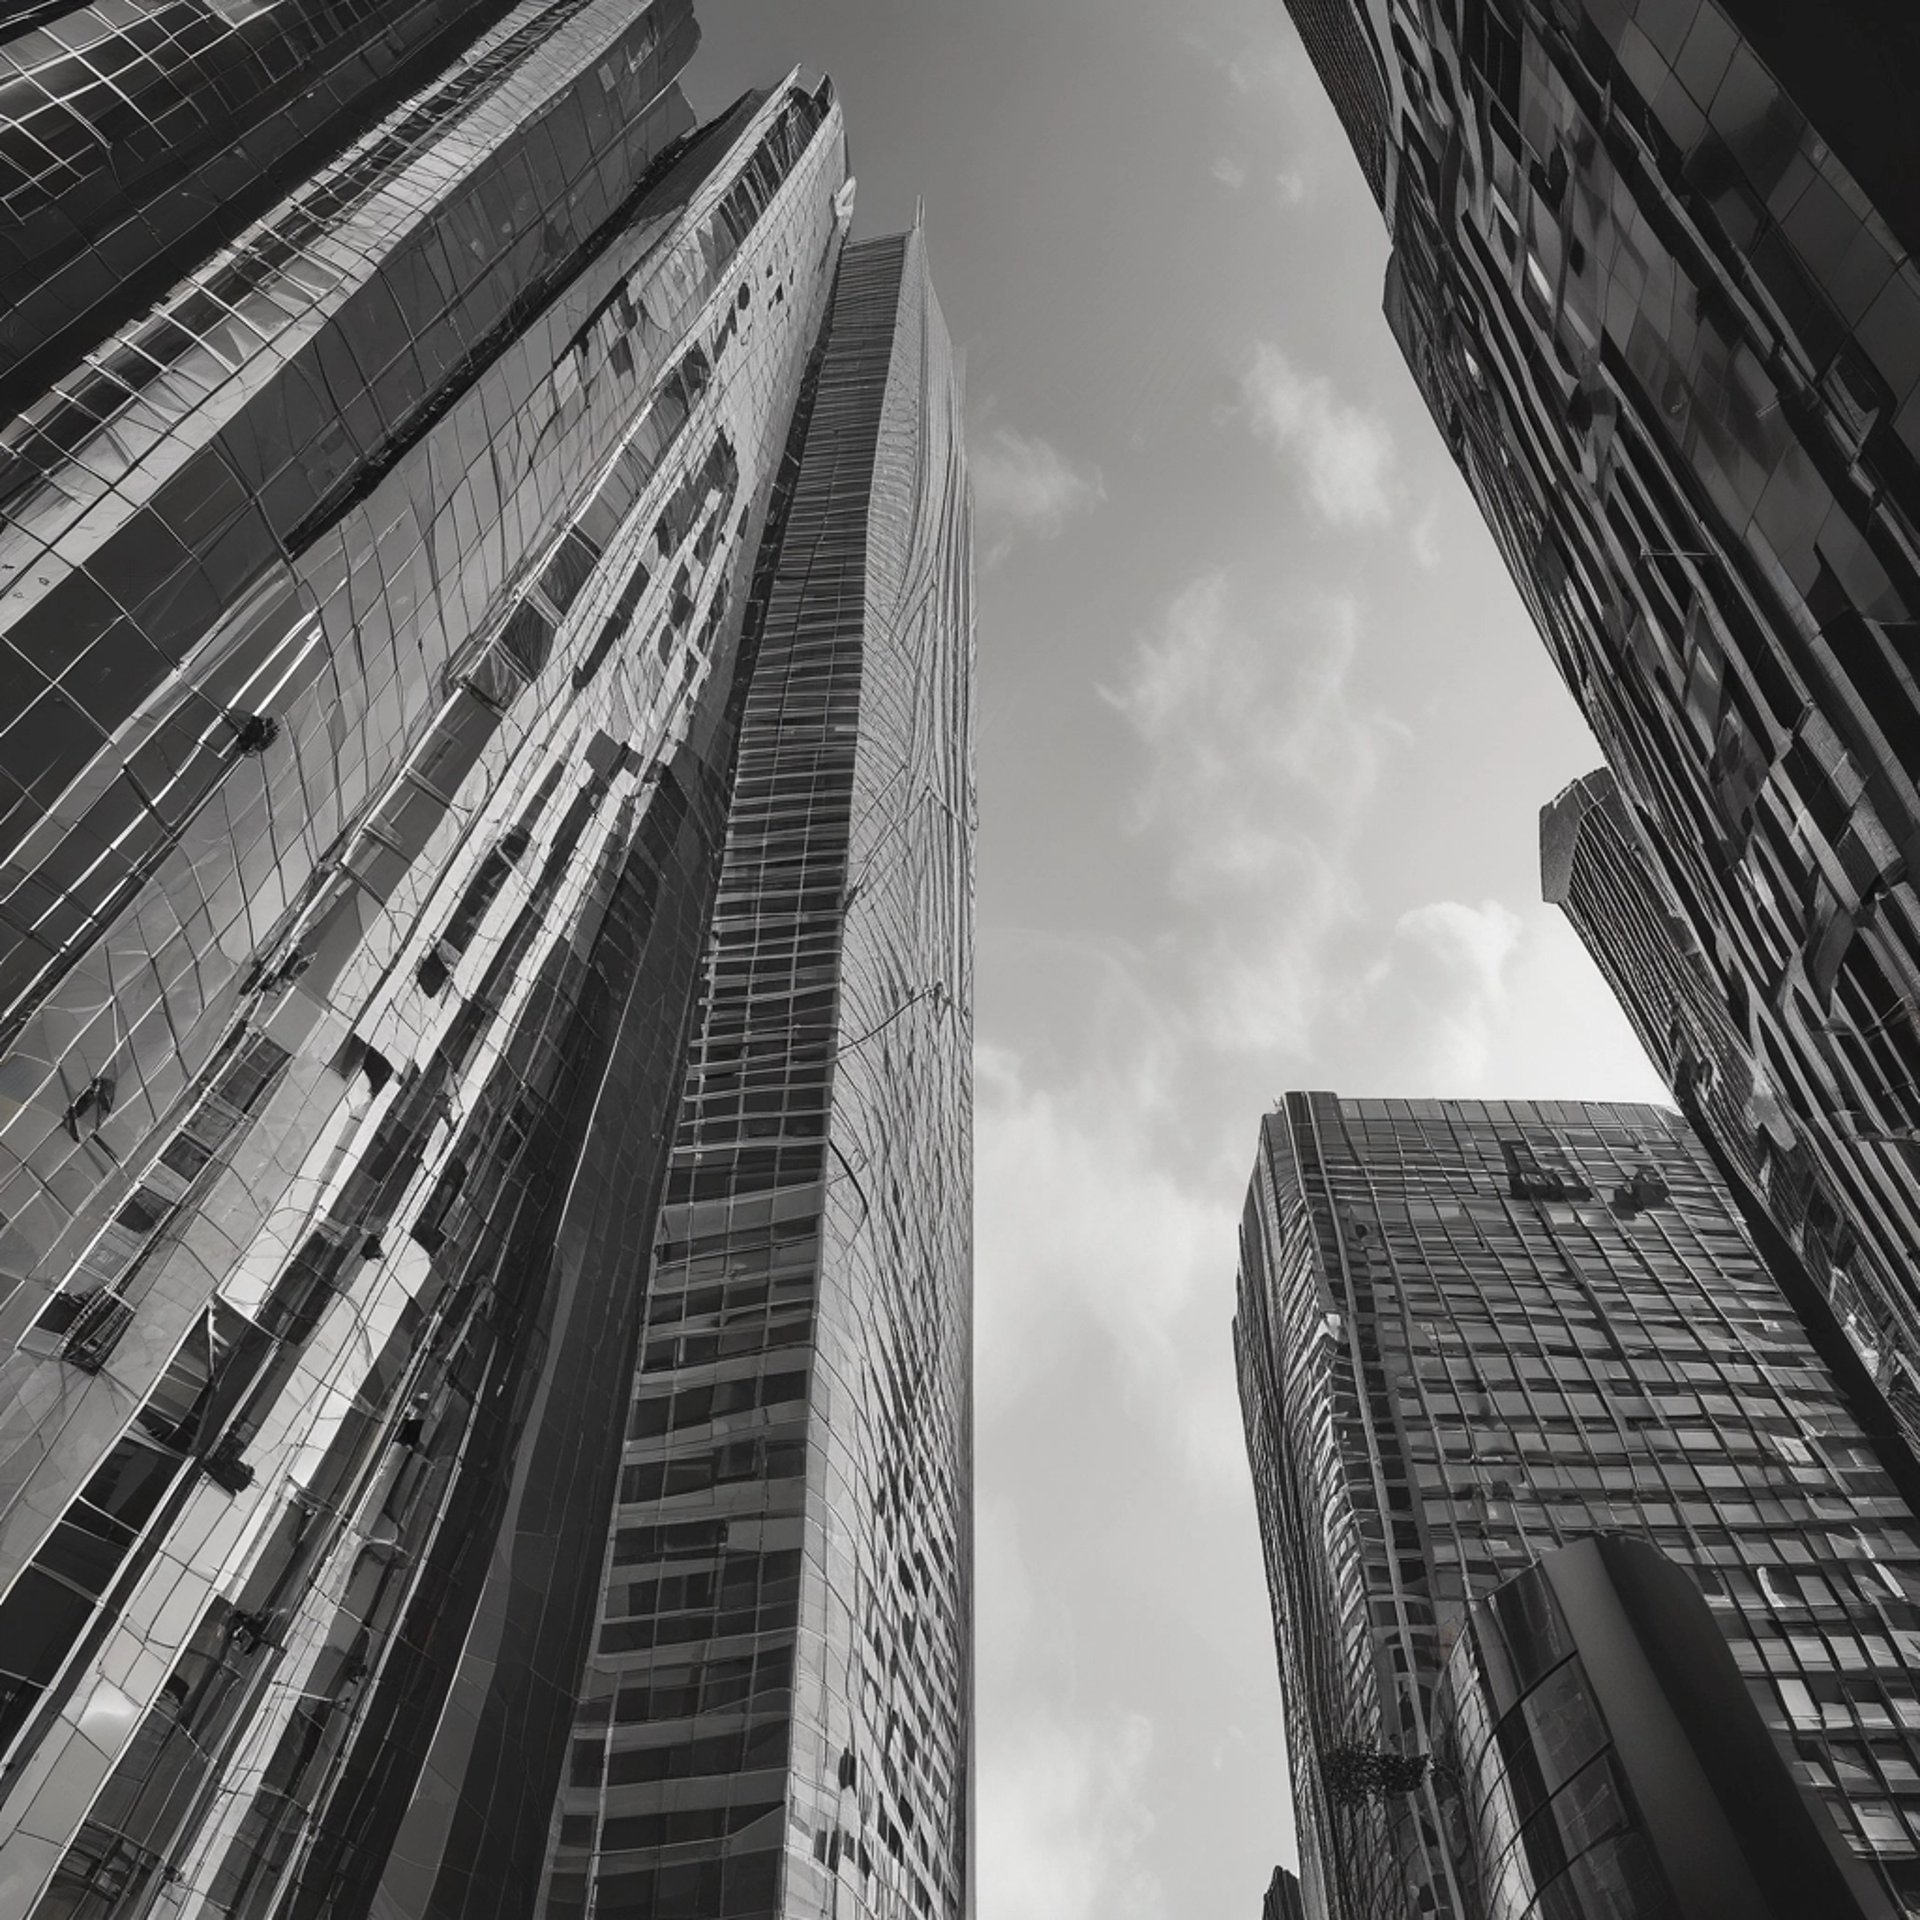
1264	733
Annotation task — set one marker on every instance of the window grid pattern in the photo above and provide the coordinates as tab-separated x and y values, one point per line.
135	142
1341	51
1690	1016
777	1719
371	1374
1447	1381
143	889
1654	272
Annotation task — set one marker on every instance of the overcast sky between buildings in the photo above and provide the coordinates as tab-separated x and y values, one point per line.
1264	733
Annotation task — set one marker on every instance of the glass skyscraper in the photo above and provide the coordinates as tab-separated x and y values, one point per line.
1470	1334
1604	874
1654	271
780	1694
485	825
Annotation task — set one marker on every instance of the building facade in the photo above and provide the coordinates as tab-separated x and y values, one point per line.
136	143
382	613
1469	1334
1604	1757
1654	272
778	1709
1605	875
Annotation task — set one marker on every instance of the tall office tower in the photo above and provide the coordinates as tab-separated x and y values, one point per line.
777	1715
380	604
1606	876
1656	270
1469	1334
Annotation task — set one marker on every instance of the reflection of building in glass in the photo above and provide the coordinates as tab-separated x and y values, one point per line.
1656	269
379	601
1605	874
1600	1756
1470	1333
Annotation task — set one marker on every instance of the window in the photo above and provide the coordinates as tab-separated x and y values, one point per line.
1493	51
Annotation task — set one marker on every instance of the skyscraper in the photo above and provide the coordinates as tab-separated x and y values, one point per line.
1654	272
1605	874
785	1624
1469	1334
390	603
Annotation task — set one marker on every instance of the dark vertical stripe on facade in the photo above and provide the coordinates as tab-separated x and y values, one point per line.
570	1287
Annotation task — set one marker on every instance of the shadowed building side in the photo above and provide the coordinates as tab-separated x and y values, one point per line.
1283	1898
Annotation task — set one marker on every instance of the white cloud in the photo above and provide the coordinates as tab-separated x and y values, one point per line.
1229	172
1344	453
996	1532
1560	1018
1114	1482
1268	65
1064	1818
1259	762
1027	481
1104	1236
1425	539
1080	1227
1477	942
1459	987
1291	187
1449	964
1229	712
1213	1436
